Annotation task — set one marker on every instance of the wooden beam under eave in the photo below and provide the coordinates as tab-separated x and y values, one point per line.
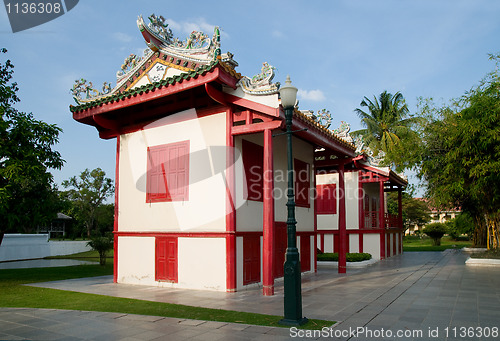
255	127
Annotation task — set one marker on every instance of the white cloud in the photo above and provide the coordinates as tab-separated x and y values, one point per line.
122	37
311	95
184	28
277	34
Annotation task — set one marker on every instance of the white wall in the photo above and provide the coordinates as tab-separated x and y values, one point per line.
205	209
201	263
351	185
371	244
33	246
136	260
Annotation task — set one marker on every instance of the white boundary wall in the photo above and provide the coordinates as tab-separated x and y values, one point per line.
33	246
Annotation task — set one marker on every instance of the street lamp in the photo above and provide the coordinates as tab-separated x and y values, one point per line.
293	295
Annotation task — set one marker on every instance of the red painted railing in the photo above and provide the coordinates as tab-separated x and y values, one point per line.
372	220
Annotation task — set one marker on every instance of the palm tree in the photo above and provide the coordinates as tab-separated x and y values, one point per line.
387	121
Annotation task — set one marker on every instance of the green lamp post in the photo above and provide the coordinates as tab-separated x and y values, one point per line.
293	294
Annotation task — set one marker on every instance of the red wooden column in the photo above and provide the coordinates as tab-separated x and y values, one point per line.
115	222
268	223
230	207
342	222
361	212
400	219
315	224
381	219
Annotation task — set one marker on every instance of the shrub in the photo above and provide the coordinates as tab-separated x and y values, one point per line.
101	244
351	257
436	231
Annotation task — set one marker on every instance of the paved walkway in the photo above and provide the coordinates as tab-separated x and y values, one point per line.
415	296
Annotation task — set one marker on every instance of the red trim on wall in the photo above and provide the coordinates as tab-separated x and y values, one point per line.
173	234
230	206
268	216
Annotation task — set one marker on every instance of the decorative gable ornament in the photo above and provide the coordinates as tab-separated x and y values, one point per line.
260	84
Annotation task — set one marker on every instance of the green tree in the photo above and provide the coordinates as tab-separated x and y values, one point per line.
461	156
415	211
436	231
28	197
101	244
387	121
88	192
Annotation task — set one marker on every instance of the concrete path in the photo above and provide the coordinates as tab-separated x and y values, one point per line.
415	296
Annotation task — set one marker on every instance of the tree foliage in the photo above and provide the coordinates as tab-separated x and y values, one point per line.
88	192
460	156
436	231
28	197
415	211
387	121
101	244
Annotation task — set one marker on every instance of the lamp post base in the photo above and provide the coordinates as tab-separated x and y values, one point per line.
296	323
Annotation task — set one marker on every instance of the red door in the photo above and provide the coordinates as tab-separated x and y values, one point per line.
280	244
305	253
166	259
251	259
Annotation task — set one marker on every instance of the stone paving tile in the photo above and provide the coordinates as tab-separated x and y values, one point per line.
415	290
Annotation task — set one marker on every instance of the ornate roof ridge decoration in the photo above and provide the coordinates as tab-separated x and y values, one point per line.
343	131
306	118
260	84
118	94
198	47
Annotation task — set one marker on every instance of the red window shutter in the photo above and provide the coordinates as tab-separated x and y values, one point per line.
253	162
166	259
251	259
302	182
168	172
305	253
326	199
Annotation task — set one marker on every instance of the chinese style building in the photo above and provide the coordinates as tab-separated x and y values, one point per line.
201	166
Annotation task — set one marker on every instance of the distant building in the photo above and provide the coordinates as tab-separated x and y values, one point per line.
437	216
57	226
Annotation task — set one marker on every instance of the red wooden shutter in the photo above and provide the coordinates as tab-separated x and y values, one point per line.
302	182
168	172
326	199
253	162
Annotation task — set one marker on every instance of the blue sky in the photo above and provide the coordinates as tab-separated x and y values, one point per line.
336	52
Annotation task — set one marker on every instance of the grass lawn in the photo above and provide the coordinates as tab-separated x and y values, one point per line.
14	294
412	243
